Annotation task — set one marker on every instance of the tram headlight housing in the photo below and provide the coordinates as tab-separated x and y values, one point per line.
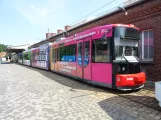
119	69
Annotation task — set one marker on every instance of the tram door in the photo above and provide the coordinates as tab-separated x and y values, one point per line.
54	60
83	59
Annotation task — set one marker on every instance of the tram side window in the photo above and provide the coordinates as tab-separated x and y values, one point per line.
33	56
26	57
20	57
71	53
80	54
100	51
54	55
40	56
43	55
58	54
86	53
37	56
61	54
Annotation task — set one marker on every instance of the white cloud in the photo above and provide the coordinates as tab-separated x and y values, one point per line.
42	14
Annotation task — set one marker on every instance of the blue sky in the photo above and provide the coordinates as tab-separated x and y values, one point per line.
27	21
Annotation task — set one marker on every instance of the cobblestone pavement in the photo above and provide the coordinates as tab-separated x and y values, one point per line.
32	94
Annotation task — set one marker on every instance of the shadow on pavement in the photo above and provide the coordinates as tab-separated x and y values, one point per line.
123	109
74	83
150	85
6	63
115	110
142	97
71	82
146	100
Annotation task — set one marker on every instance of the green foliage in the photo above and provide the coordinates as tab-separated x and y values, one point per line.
3	48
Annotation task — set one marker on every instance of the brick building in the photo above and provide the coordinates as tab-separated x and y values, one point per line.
146	15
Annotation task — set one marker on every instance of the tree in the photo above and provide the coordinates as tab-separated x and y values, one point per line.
3	48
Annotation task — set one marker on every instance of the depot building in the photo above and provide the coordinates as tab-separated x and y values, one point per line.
144	14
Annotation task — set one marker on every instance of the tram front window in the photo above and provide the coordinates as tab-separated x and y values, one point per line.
126	44
126	51
123	51
130	51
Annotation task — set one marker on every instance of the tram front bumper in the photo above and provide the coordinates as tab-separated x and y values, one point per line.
130	80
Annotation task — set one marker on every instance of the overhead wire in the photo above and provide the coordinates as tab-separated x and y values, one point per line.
93	11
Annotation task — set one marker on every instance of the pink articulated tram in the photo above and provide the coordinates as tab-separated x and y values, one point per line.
105	55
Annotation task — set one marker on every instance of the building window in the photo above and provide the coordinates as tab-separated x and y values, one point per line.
146	44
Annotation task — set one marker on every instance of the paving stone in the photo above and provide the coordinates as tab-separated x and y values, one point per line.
33	94
153	113
157	117
141	118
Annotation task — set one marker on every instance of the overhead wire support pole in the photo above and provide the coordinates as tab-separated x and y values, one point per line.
123	9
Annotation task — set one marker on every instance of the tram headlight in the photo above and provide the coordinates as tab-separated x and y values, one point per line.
123	68
120	68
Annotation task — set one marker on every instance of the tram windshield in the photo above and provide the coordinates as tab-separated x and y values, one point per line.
126	44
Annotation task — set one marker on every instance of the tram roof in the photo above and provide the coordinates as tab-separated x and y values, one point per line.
90	32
